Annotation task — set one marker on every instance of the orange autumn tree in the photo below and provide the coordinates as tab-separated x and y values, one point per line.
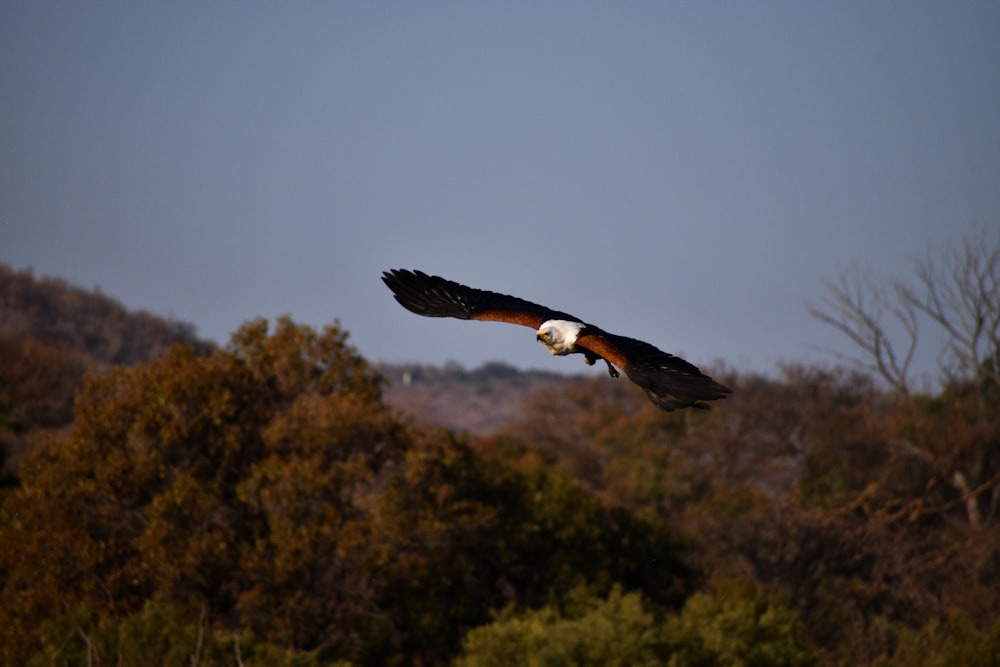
266	492
142	499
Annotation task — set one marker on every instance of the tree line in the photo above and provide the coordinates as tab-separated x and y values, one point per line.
261	503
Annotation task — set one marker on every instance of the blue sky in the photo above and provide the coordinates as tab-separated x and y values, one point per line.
688	173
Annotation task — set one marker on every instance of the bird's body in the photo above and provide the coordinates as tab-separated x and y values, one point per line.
669	381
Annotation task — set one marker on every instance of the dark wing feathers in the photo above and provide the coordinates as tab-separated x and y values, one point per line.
669	381
432	296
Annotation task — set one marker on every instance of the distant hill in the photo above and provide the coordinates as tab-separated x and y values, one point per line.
98	327
480	401
50	332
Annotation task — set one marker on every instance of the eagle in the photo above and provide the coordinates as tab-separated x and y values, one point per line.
669	381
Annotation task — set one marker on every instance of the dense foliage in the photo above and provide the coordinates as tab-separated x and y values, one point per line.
262	504
820	486
738	624
266	489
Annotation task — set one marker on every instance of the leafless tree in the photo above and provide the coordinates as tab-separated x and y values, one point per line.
956	288
959	290
859	307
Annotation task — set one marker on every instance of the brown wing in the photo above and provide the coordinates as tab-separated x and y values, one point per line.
433	296
669	381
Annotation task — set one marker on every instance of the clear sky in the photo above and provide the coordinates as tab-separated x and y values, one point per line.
688	173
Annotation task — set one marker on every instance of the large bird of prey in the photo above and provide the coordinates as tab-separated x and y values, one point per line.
669	381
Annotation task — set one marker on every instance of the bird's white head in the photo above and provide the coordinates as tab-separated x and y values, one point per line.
559	336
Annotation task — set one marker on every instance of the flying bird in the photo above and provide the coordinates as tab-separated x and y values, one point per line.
669	381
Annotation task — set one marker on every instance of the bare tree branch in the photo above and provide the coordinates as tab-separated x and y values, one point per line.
239	657
196	657
959	290
90	646
856	306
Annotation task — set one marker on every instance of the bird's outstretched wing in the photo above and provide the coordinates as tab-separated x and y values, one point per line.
433	296
669	381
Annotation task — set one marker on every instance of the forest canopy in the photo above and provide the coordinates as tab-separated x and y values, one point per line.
263	503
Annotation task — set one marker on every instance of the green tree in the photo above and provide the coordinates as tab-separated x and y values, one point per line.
953	641
739	624
617	631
